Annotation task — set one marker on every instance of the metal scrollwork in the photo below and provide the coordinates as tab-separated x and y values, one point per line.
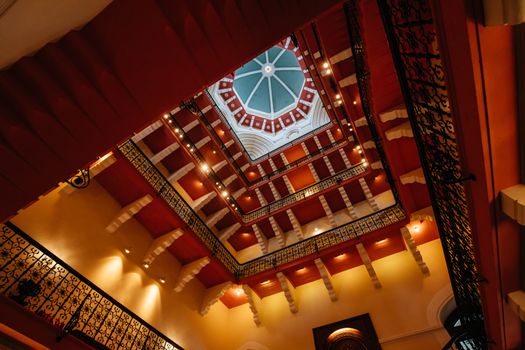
359	227
44	285
410	30
81	179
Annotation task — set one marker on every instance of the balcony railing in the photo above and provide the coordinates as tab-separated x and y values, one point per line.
253	183
343	233
413	41
338	179
43	284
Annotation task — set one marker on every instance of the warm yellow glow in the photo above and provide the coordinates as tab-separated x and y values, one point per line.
177	130
301	270
416	228
146	265
238	291
265	283
103	158
358	147
328	71
326	65
382	242
337	97
127	250
355	102
149	304
162	280
340	256
224	193
166	116
205	167
108	271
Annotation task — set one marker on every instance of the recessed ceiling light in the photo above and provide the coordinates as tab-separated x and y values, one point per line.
162	280
127	250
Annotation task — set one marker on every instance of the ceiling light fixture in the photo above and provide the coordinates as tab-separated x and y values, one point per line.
416	228
127	250
326	65
146	265
224	193
355	102
162	280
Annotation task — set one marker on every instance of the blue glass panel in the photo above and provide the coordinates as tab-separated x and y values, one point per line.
244	86
294	79
248	67
273	53
287	59
281	97
261	99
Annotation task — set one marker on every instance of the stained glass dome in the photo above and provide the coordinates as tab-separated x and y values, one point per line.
271	83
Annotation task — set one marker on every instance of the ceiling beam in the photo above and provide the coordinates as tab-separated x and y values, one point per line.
160	244
287	290
251	302
212	295
368	265
127	212
327	280
412	248
188	272
146	131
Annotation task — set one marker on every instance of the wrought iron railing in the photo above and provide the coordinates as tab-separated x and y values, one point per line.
412	37
363	82
337	179
43	284
323	151
343	233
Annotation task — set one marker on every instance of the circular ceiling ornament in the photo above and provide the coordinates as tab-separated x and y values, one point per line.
270	84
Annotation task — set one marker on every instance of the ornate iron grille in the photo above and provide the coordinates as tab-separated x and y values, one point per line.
45	285
413	41
337	179
359	227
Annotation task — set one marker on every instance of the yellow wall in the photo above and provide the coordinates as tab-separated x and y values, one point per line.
72	227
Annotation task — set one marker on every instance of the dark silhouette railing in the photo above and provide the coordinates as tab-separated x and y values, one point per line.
43	284
338	179
412	37
343	233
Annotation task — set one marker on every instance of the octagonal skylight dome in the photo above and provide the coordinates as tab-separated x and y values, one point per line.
271	83
270	101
